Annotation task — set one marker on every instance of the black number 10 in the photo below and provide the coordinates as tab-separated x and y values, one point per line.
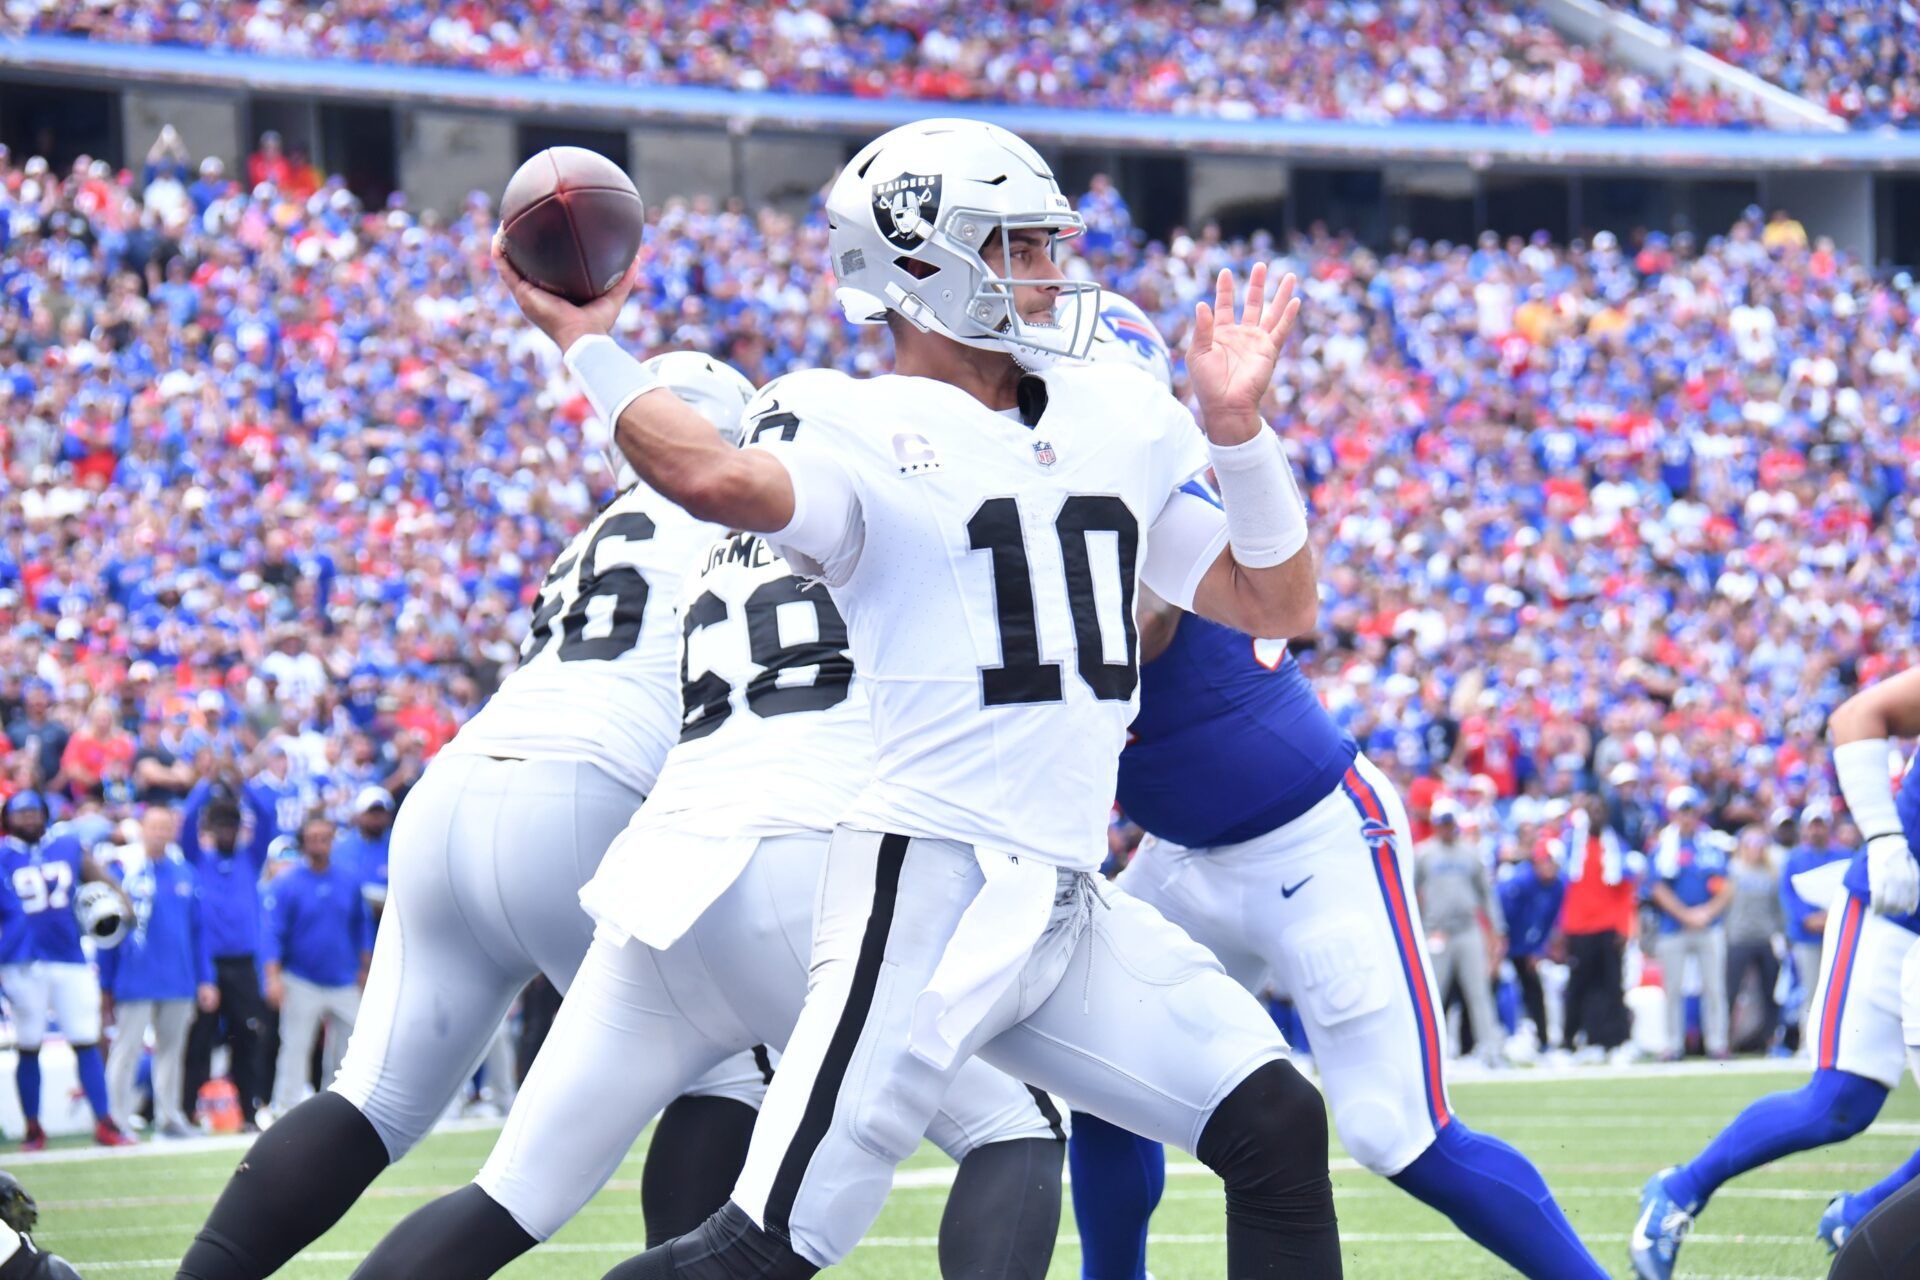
1021	676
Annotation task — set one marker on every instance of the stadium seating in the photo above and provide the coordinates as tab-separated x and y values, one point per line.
1855	59
1403	60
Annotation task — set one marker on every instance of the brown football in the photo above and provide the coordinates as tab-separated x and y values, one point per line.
572	222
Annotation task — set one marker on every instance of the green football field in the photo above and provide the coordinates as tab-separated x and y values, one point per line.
1595	1137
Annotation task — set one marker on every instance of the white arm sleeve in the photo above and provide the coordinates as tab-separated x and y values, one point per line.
1183	543
827	531
1867	783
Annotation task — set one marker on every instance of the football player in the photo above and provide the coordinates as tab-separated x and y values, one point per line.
1854	1021
42	966
1282	850
487	859
774	744
982	531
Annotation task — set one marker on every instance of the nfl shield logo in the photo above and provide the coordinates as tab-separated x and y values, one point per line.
1043	453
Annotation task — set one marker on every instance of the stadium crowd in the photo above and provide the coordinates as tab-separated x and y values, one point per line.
283	475
1855	58
1357	60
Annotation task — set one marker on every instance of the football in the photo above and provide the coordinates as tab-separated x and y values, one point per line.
571	222
103	916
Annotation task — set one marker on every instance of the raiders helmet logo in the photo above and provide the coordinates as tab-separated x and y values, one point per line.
905	209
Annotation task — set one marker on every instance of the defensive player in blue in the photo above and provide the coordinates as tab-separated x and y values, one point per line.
1855	1019
1276	844
42	967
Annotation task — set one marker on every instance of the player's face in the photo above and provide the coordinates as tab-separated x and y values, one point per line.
28	823
1028	255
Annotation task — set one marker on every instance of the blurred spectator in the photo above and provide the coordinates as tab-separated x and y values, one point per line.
268	164
1109	221
157	974
1596	918
1531	892
1783	231
98	755
315	948
1755	928
1690	889
228	852
1456	896
40	740
1806	917
362	847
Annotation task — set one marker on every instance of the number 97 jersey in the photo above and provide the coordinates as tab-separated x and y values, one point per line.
598	680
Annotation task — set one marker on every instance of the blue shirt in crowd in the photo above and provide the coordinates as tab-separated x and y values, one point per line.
229	883
318	926
367	859
164	955
1531	903
1693	867
1796	908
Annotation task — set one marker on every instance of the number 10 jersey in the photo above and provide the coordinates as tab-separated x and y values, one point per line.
986	570
597	679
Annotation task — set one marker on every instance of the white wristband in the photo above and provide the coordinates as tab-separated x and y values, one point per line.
1266	521
607	375
1867	784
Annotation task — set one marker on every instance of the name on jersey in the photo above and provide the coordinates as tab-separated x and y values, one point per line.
743	549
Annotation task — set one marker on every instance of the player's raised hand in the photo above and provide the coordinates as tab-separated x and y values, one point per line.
565	322
1231	362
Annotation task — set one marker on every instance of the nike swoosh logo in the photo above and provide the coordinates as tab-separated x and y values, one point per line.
1288	890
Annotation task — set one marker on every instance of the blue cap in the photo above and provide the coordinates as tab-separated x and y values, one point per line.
21	801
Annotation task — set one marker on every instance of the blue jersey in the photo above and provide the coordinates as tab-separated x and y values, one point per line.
43	878
1906	802
1230	742
1693	867
1795	907
16	933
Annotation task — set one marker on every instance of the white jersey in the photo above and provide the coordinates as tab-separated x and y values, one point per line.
598	678
775	735
986	570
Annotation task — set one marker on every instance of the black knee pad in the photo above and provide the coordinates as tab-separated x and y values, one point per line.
1268	1142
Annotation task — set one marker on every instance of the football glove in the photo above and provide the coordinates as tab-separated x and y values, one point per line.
1893	877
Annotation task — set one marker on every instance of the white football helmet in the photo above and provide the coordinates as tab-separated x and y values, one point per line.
102	915
718	390
909	216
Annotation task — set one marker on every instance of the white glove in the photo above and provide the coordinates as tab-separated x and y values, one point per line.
1892	875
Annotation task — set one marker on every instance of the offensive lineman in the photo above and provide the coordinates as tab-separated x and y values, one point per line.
988	599
1855	1017
775	744
42	966
1268	847
488	857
